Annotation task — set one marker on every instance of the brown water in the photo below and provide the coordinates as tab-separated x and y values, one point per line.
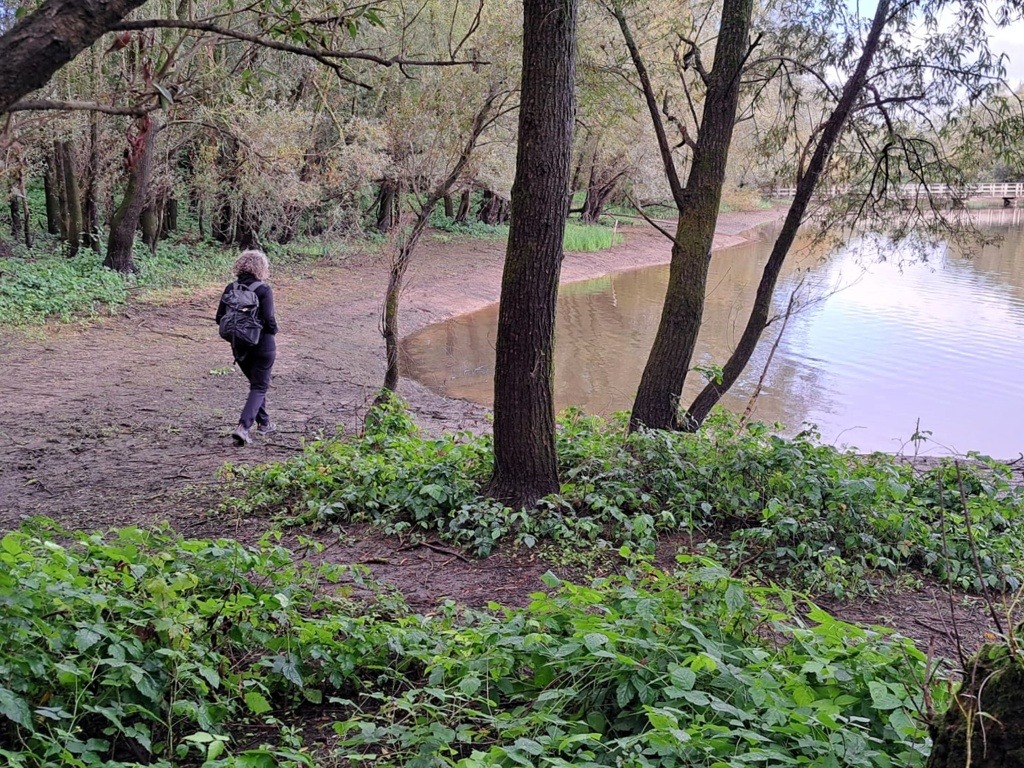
877	351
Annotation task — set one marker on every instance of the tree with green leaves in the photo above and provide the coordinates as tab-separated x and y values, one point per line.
896	115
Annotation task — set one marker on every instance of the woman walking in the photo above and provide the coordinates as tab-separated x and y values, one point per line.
256	361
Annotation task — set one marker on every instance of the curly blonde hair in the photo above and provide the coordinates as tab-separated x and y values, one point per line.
253	262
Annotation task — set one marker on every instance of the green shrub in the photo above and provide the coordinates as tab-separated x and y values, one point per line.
472	228
145	648
790	510
142	648
661	672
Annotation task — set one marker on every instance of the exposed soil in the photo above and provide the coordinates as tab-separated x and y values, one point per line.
126	420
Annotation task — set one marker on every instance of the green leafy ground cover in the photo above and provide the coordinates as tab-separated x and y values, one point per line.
143	648
790	510
43	283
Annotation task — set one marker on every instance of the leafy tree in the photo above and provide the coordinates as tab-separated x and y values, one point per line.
898	117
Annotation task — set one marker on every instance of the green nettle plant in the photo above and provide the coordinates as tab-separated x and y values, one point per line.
142	648
660	671
145	649
788	510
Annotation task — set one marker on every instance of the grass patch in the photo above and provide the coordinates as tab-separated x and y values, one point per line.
144	648
586	238
43	284
789	510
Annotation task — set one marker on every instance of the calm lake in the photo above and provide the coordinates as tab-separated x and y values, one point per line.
884	343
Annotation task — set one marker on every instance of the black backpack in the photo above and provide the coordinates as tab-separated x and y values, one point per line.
241	324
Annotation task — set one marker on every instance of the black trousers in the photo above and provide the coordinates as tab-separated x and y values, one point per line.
256	368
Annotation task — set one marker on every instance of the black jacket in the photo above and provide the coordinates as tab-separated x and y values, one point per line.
267	345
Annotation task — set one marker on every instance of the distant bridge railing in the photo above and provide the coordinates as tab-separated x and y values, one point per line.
985	189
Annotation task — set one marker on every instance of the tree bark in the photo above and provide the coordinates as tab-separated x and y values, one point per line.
15	207
449	207
72	204
464	205
27	218
50	193
90	207
386	205
806	185
126	218
59	192
47	39
149	221
657	400
170	220
525	460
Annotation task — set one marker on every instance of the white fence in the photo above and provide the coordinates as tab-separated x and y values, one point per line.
987	189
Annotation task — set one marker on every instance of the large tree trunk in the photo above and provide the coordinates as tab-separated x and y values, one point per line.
657	399
48	38
525	461
126	218
758	320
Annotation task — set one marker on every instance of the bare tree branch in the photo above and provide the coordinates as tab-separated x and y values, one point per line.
40	105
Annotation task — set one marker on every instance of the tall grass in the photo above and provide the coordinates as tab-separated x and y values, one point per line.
587	238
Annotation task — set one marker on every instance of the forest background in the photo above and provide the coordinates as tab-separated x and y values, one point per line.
299	126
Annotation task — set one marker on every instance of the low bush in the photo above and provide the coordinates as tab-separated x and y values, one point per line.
790	510
142	648
660	672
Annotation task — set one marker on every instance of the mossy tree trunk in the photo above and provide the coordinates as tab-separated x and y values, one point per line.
126	218
525	460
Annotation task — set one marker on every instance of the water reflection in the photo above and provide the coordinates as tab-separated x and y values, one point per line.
875	349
